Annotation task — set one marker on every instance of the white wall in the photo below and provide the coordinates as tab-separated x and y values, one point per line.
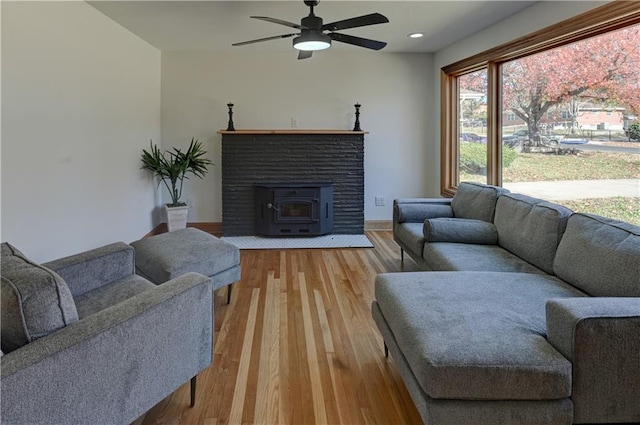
80	99
269	88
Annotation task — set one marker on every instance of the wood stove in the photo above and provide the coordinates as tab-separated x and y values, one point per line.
290	209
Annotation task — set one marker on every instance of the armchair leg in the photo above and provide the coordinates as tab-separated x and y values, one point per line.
386	350
229	293
193	391
401	255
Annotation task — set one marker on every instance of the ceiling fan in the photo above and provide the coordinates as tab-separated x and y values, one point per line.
312	34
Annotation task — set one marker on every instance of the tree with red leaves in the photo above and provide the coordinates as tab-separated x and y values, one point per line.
603	69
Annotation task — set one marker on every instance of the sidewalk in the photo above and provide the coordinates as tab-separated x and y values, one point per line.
577	189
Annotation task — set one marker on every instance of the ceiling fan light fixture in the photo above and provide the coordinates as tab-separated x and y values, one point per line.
312	42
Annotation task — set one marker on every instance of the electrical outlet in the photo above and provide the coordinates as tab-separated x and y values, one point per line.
294	122
380	201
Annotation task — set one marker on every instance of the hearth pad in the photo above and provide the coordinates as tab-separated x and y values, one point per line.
326	241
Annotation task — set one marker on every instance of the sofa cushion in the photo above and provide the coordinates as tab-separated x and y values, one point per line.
476	201
412	236
447	256
477	335
460	230
35	301
530	228
600	256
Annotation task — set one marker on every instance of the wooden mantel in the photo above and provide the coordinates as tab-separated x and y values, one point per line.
292	131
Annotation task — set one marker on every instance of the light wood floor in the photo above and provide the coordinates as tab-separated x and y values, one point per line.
298	345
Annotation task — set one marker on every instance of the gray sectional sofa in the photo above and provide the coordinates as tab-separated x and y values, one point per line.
527	313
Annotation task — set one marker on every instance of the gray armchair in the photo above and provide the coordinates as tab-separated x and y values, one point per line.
85	340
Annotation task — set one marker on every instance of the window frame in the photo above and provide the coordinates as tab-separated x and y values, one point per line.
609	17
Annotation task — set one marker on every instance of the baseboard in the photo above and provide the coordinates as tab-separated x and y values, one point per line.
378	225
160	228
214	229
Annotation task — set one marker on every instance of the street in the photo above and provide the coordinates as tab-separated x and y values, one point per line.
604	147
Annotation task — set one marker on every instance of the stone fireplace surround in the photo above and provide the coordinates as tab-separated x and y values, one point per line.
259	156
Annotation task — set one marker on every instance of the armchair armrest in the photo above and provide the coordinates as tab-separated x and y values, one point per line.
92	269
600	337
115	365
417	210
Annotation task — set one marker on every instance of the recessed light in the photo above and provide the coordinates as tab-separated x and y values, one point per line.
415	35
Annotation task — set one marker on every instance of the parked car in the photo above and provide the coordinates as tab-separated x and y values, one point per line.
511	140
522	136
573	140
475	123
469	137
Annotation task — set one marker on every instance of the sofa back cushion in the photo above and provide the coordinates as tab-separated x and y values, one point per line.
600	256
476	201
530	228
34	300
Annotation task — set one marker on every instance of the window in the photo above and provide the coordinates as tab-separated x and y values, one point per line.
535	103
472	146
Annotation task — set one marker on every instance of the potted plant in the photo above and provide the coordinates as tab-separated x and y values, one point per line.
172	168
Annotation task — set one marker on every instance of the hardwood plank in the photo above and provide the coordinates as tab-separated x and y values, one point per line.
376	225
243	372
298	345
268	379
319	411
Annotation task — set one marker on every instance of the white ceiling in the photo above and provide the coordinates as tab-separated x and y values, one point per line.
215	25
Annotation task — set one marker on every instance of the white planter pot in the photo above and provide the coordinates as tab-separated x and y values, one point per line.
176	217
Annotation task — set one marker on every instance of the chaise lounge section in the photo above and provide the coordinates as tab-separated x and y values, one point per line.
539	325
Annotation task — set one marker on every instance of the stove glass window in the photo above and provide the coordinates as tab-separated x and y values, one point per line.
295	209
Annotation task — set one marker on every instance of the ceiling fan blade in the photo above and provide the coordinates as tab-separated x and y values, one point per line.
360	21
258	40
357	41
304	54
279	21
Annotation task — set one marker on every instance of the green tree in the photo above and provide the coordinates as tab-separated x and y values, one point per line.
634	131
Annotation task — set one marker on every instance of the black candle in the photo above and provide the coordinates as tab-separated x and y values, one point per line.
356	127
230	126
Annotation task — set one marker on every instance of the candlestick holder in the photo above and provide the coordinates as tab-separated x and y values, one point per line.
356	127
230	126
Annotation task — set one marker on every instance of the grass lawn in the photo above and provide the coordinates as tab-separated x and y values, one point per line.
625	209
532	167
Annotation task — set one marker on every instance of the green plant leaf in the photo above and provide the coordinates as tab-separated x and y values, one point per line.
173	167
